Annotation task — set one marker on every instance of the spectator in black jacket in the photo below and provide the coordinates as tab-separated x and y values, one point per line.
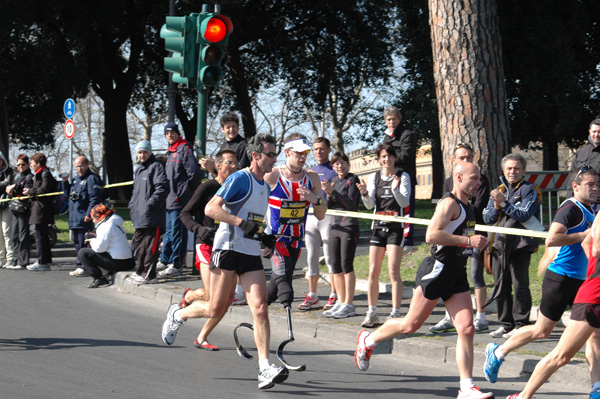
84	192
405	143
230	126
42	210
588	155
147	209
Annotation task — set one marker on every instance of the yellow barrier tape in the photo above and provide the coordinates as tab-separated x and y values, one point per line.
405	219
127	183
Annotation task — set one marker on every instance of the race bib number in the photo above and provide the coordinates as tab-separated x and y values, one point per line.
385	213
292	212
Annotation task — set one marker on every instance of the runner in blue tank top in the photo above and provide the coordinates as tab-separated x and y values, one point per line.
563	277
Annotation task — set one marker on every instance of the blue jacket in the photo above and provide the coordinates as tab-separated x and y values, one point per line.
88	189
150	189
183	174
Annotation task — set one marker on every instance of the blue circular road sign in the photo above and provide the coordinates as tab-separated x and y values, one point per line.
69	108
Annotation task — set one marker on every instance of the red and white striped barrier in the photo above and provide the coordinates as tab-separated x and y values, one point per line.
551	180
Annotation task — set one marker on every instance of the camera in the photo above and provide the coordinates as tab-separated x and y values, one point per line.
89	236
74	196
63	175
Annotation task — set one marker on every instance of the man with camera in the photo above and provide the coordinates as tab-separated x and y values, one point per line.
84	192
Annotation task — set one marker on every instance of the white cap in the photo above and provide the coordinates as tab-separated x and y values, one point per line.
297	145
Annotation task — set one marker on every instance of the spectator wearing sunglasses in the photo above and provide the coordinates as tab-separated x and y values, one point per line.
589	154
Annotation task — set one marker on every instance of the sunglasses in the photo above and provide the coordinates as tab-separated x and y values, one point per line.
584	169
463	145
270	154
228	163
21	164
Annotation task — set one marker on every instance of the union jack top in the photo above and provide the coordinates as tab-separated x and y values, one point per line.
287	213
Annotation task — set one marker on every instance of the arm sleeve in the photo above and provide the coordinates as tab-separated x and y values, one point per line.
161	186
101	242
350	201
94	187
192	169
527	207
402	194
490	213
369	200
235	187
407	151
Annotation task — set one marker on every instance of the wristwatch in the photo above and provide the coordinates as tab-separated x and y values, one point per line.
503	204
318	201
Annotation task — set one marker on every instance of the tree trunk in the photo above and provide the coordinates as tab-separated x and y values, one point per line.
550	154
469	81
240	87
119	167
3	127
437	168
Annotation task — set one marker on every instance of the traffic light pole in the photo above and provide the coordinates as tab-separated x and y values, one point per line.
172	87
202	113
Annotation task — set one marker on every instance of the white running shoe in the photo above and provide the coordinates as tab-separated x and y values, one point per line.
370	320
474	393
510	333
79	272
329	312
161	266
499	332
362	355
393	315
39	267
171	325
310	303
481	325
170	271
444	325
272	375
347	310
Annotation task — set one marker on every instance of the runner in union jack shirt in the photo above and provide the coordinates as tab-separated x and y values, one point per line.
293	190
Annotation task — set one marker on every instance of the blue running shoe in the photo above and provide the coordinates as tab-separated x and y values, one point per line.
492	363
595	394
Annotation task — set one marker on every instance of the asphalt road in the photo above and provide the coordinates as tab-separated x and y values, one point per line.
59	339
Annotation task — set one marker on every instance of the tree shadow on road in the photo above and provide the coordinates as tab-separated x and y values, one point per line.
66	343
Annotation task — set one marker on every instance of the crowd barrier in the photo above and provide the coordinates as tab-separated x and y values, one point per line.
361	215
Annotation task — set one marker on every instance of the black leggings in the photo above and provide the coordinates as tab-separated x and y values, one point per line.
342	247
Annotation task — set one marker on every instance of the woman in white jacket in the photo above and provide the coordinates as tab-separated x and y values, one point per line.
109	250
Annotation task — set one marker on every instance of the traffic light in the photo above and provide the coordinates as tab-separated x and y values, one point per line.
213	36
179	34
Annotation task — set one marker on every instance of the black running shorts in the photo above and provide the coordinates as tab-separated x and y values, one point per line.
589	312
441	281
235	261
384	237
558	292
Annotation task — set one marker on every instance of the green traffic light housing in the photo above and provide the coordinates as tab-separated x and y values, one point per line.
179	34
